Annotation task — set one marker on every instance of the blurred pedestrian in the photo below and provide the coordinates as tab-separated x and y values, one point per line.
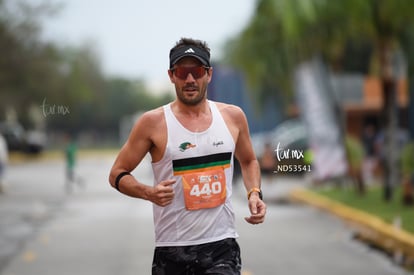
4	156
71	159
192	141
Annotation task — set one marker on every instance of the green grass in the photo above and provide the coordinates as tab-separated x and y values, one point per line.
372	202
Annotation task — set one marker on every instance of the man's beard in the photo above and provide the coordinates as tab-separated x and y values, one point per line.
199	97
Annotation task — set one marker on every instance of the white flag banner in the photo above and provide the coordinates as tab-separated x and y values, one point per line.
318	106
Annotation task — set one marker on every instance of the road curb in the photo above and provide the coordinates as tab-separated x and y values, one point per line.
370	228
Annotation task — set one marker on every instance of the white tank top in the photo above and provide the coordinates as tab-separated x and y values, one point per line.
202	164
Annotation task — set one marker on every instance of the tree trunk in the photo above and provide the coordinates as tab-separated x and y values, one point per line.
389	157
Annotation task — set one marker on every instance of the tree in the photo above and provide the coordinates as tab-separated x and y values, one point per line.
283	33
64	85
28	67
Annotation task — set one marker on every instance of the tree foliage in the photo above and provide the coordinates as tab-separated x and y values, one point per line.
40	77
282	33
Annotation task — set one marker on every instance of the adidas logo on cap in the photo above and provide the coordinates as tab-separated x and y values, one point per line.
203	55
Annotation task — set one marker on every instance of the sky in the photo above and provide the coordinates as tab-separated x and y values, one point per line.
133	37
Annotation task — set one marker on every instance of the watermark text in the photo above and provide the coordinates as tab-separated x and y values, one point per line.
53	109
288	154
290	161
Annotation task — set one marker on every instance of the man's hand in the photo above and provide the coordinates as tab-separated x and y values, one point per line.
163	193
257	209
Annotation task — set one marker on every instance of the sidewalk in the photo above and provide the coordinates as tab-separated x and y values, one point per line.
369	228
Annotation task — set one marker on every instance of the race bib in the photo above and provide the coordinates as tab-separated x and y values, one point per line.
206	189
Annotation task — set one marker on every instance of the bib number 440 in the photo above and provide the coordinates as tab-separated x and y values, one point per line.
206	189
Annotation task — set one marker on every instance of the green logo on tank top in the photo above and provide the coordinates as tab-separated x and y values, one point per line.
186	145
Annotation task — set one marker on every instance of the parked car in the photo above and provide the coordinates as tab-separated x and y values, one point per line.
290	134
35	141
289	140
17	139
14	135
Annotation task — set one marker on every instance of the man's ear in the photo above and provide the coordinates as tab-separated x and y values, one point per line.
171	75
210	73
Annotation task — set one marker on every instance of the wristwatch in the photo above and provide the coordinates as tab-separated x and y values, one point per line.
255	189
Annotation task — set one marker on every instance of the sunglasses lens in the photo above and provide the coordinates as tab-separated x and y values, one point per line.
196	72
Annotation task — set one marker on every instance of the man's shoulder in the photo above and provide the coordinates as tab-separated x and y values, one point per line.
153	115
229	110
150	121
149	124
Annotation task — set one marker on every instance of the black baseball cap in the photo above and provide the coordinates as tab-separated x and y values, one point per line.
190	51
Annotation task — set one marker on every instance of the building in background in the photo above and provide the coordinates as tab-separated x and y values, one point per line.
362	100
228	85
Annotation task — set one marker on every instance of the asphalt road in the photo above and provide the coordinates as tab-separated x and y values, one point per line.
95	230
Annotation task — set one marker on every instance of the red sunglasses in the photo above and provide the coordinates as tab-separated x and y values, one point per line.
196	72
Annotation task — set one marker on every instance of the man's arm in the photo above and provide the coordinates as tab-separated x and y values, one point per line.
250	168
140	142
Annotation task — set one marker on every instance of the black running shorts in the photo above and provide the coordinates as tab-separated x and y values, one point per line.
220	258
